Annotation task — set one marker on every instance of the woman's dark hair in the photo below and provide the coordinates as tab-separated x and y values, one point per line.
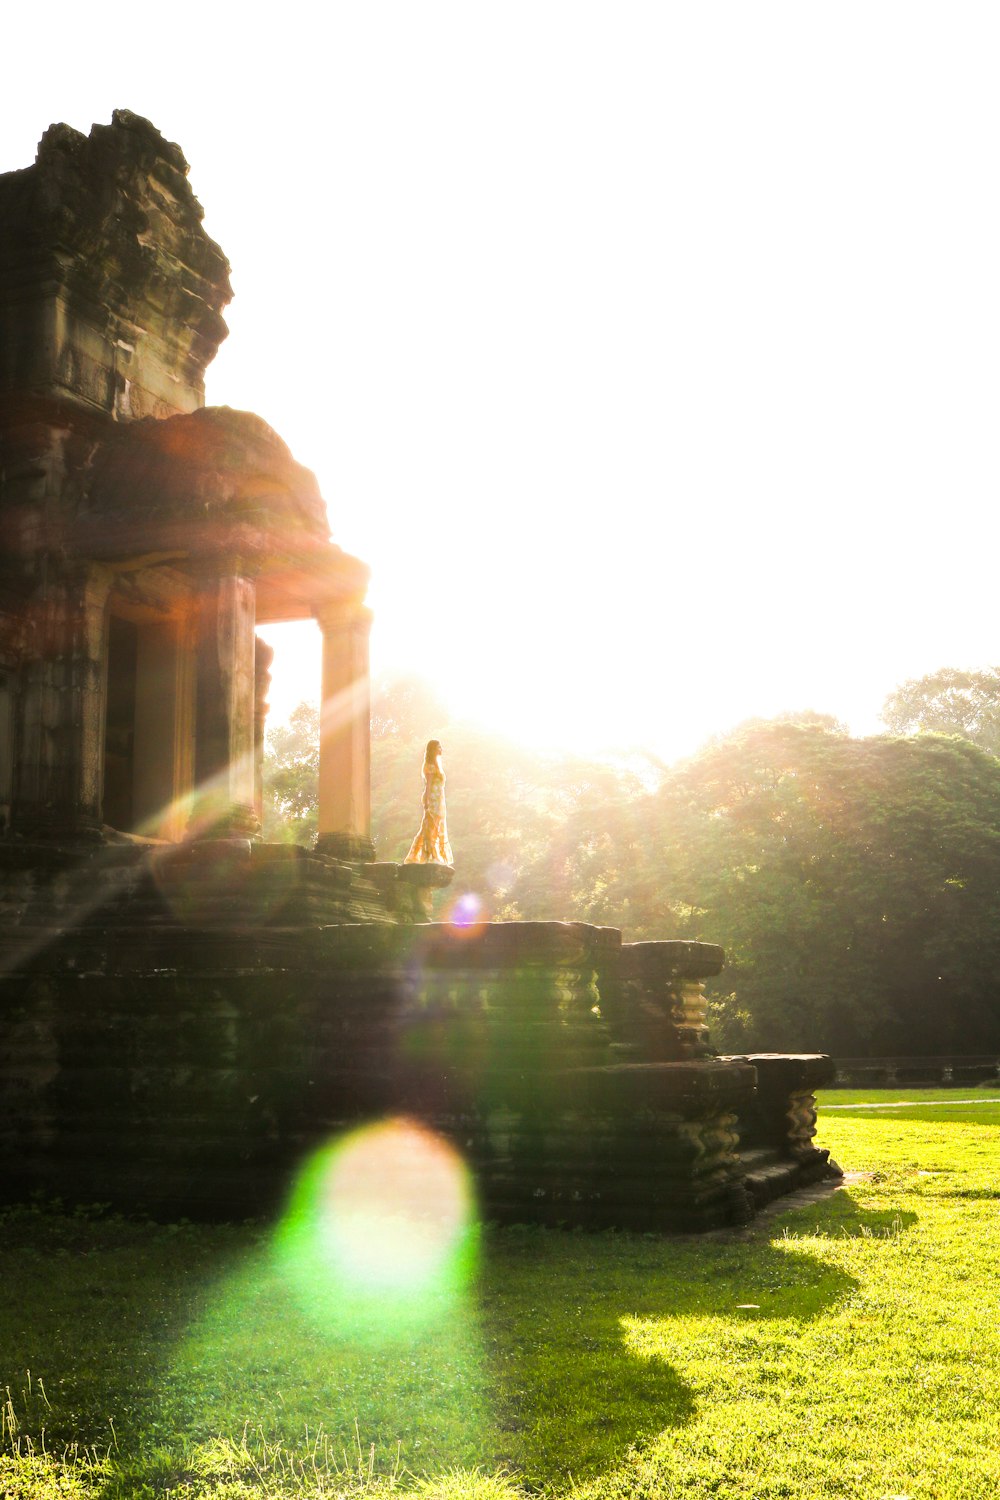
433	749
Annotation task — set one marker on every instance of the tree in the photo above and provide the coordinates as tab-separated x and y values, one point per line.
853	883
405	707
949	702
291	778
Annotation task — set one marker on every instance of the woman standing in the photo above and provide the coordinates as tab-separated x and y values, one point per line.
431	846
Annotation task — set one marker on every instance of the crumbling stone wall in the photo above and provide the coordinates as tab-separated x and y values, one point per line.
112	292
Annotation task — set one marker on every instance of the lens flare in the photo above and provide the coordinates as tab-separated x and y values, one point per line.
466	911
380	1227
466	917
394	1200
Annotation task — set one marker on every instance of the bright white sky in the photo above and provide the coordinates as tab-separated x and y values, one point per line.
647	352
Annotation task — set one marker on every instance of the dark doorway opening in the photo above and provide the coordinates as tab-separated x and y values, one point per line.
119	731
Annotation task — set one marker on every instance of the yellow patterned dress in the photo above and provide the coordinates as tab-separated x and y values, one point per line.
431	846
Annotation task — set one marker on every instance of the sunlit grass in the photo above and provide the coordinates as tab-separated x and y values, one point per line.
889	1098
850	1348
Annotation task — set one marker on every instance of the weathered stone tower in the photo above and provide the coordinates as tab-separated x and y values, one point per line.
144	534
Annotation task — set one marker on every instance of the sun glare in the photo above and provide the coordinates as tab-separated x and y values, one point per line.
296	668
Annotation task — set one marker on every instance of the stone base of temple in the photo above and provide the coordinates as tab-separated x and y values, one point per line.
185	1049
769	1175
345	846
219	884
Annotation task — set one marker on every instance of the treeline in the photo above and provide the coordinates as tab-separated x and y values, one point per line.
854	883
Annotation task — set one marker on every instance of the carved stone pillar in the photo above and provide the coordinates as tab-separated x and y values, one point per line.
345	733
61	732
263	657
656	1003
224	751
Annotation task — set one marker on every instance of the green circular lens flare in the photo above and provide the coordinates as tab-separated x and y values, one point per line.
380	1223
394	1201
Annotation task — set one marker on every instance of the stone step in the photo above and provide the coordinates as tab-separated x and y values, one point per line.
769	1174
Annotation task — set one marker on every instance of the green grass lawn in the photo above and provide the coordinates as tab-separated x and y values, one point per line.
850	1348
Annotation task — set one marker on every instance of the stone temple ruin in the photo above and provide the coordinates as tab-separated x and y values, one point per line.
187	1011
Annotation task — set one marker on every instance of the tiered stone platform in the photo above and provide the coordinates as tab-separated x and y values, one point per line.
182	1026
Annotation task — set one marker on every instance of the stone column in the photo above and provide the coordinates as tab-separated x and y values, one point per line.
59	758
263	657
656	1002
345	733
224	751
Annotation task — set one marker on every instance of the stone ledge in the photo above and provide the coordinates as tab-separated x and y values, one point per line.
674	1086
435	876
671	959
790	1071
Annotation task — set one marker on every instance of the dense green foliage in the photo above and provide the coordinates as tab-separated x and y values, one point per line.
291	778
853	883
843	1349
949	702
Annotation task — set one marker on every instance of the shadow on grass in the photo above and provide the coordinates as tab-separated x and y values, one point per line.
573	1389
150	1345
841	1216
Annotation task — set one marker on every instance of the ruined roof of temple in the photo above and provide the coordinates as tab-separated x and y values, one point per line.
107	226
210	483
111	298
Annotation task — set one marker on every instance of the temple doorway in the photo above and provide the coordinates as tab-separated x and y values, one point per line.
149	726
119	724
